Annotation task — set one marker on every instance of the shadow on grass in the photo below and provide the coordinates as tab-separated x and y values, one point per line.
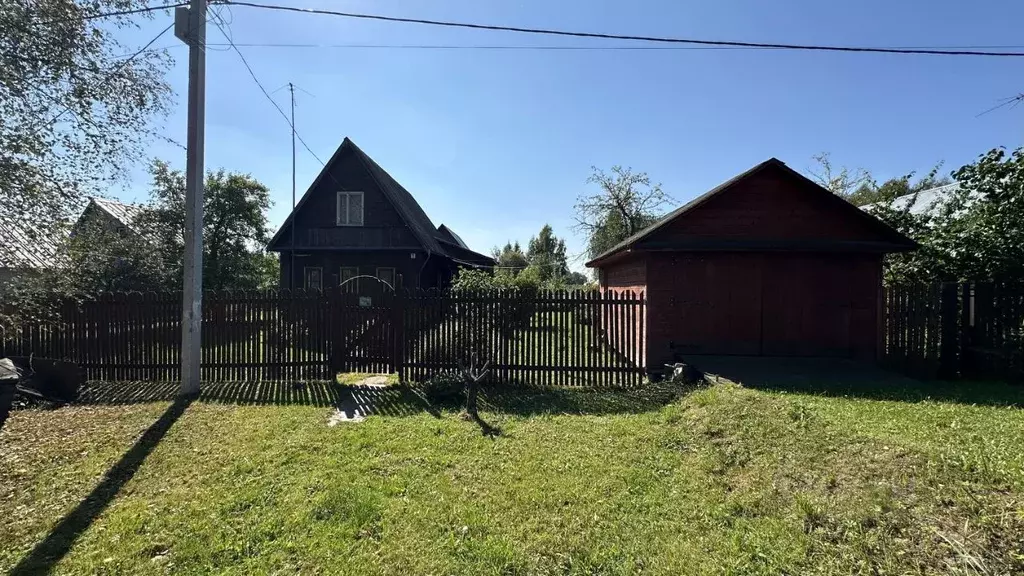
62	537
402	400
528	400
846	378
383	401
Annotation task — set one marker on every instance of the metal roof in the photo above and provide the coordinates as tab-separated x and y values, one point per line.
123	213
926	202
23	248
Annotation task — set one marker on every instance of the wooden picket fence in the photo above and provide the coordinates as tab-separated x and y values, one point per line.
550	338
955	330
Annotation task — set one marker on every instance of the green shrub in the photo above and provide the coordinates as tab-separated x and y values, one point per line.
445	388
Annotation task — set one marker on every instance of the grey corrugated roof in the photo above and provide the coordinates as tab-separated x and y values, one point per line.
771	162
23	248
123	213
925	202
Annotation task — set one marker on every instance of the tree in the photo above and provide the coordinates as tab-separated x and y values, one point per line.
75	110
234	226
511	257
975	233
626	203
852	184
576	279
101	259
74	114
546	254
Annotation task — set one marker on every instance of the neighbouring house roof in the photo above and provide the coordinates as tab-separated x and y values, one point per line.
771	163
124	213
22	248
431	238
926	202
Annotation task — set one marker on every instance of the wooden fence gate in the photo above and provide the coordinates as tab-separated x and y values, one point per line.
365	333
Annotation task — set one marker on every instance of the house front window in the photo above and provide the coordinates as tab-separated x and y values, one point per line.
387	275
349	209
348	273
314	277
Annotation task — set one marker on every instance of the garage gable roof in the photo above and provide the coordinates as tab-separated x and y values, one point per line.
897	240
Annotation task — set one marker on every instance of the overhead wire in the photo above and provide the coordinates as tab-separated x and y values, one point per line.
265	93
638	38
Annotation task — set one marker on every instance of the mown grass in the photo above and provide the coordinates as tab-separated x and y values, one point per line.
662	480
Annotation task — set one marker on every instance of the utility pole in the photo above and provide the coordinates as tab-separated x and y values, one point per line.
190	26
291	253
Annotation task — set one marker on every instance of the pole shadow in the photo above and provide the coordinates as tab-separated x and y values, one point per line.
46	554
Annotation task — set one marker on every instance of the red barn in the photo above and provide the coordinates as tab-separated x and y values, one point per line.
768	263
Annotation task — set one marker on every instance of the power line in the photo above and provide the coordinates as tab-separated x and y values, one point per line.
543	47
264	90
659	39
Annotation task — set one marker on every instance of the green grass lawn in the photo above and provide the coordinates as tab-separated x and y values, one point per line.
660	480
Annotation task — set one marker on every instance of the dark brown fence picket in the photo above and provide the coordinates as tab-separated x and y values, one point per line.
545	337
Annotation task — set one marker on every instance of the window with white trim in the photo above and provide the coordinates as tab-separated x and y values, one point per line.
387	275
314	277
347	273
349	211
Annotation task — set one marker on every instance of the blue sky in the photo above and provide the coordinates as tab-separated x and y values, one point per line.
496	143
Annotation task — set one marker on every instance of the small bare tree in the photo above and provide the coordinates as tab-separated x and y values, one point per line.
471	376
841	181
626	203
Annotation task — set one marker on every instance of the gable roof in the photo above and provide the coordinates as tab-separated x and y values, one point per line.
896	238
450	236
410	211
22	248
123	213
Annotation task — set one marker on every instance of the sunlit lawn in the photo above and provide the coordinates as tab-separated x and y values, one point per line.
660	481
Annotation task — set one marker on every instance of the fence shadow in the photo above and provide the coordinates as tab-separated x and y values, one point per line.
382	401
846	378
62	537
397	401
525	400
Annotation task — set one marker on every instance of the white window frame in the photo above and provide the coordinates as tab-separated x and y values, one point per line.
338	212
394	275
305	276
351	286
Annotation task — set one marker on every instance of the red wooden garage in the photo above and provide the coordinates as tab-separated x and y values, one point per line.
768	263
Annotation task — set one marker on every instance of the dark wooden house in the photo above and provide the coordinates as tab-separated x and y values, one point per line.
768	263
356	223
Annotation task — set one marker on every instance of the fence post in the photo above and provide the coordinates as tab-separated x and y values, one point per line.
949	310
398	333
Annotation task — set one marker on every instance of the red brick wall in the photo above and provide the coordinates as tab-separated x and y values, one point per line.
620	278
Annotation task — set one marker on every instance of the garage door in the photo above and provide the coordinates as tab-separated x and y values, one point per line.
774	305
